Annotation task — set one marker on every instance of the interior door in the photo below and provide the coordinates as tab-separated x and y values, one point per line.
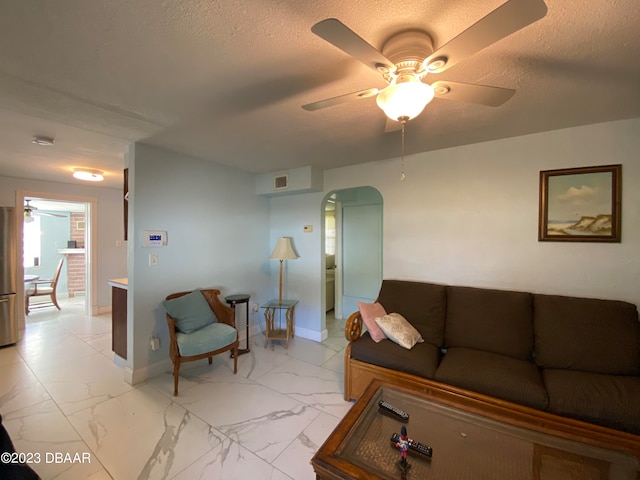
361	255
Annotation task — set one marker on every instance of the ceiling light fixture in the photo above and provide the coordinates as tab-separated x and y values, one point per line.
88	174
405	97
43	141
28	218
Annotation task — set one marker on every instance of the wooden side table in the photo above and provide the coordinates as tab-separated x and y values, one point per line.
274	327
233	300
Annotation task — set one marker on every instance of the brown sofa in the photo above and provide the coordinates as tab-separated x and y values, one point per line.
575	357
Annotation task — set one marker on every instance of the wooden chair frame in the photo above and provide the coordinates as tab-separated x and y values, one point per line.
223	313
53	284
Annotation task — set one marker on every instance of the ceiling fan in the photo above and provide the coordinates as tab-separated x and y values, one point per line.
30	211
408	57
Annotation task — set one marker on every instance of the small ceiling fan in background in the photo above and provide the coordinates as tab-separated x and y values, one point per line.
30	211
408	59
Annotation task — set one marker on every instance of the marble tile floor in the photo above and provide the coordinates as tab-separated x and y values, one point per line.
62	395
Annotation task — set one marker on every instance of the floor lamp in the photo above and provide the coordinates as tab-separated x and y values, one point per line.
283	251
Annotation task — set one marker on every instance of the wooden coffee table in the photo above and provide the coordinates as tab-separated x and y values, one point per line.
473	437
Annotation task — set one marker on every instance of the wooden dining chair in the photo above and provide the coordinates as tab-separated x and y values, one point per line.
44	288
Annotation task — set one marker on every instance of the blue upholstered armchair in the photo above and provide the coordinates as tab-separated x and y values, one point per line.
200	326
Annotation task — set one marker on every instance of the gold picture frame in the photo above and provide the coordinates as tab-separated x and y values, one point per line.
580	204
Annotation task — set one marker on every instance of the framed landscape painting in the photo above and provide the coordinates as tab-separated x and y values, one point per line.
580	204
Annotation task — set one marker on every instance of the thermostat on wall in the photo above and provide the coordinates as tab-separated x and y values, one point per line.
154	238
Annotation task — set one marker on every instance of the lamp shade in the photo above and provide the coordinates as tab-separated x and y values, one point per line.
405	97
283	250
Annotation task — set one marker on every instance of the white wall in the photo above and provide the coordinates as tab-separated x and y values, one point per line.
469	216
289	215
218	236
464	216
112	260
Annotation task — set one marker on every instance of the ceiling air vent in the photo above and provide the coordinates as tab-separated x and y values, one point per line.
281	182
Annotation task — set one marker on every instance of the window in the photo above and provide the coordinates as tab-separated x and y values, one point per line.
330	232
31	243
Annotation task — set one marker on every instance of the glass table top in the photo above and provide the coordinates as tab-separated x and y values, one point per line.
285	304
470	446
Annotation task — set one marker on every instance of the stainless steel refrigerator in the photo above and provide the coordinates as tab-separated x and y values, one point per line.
8	319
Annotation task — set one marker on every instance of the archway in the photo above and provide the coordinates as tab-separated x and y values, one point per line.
352	221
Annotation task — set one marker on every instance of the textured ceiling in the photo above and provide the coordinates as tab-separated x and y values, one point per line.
225	80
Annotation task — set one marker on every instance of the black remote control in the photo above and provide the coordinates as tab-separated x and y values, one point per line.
414	446
400	414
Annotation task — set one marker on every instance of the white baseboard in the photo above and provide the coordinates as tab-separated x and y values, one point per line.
314	335
101	310
139	375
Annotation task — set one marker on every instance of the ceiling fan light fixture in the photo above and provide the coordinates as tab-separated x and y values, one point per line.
441	89
88	174
28	218
405	97
436	65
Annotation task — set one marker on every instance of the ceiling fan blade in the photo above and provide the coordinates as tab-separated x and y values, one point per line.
470	93
503	21
50	214
338	34
330	102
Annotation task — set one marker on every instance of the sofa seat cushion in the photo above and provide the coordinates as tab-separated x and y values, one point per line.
499	376
495	321
609	400
422	360
207	339
587	334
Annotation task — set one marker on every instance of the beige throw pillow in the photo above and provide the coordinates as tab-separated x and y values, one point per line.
399	330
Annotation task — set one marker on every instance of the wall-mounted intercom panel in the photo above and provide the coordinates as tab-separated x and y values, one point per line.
154	238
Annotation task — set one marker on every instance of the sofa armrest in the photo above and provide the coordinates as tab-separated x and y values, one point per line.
353	327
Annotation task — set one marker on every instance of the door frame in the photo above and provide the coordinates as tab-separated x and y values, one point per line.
91	252
339	254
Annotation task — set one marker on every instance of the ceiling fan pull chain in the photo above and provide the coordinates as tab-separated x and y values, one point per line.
402	175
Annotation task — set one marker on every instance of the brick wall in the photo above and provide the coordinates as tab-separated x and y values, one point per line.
77	234
76	264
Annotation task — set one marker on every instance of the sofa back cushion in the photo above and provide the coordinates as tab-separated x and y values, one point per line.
586	334
496	321
422	304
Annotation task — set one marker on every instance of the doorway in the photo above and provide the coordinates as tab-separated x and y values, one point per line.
352	248
66	231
